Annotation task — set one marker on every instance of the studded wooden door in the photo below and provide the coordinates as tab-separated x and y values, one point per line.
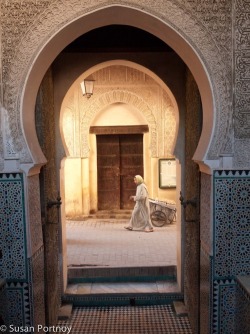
119	158
131	164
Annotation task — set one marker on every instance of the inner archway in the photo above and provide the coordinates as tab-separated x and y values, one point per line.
142	101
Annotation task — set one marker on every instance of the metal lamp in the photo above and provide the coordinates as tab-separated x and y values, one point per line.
87	87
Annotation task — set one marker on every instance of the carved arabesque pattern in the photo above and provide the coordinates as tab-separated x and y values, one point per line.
28	25
112	97
242	83
120	84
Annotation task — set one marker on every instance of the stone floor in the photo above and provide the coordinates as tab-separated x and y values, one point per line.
105	243
158	319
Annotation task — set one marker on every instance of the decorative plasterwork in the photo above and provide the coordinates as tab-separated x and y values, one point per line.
110	98
242	84
119	84
28	25
76	141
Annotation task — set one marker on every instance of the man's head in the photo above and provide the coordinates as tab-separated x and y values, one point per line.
138	179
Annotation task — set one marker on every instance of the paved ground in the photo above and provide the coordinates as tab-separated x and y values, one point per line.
103	242
158	319
106	243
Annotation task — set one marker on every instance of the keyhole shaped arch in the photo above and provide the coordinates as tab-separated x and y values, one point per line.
67	31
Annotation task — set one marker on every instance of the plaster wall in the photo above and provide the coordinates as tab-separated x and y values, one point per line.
169	68
117	87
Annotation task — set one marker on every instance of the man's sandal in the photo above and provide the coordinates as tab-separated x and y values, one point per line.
149	230
128	228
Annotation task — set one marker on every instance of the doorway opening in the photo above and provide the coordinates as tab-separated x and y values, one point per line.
123	131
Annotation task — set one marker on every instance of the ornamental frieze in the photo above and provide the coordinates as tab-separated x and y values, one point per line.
242	72
28	25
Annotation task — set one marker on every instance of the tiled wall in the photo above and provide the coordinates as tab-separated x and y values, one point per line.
13	266
3	308
242	308
21	288
12	238
231	250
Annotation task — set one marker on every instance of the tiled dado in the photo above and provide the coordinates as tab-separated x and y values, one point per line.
231	247
243	305
3	315
231	223
23	287
25	300
13	266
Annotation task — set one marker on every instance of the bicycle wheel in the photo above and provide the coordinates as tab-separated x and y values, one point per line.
158	218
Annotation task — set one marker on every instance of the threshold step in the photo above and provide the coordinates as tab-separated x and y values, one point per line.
180	308
125	287
65	312
78	274
130	293
104	214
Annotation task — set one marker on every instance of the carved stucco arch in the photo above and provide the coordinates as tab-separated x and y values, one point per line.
63	21
109	98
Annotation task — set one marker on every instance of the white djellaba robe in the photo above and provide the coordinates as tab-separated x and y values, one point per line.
141	213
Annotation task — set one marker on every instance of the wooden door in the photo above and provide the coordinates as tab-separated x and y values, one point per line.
119	159
131	164
108	172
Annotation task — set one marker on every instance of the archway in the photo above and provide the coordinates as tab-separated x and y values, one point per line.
107	16
111	15
131	106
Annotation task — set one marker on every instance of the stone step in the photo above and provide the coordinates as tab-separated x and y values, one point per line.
105	214
65	311
77	274
111	214
122	294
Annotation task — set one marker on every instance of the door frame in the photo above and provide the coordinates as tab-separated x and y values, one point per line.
118	130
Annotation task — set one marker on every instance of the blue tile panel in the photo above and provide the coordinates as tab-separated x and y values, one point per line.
3	306
18	304
14	265
231	224
231	246
12	238
223	307
242	310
